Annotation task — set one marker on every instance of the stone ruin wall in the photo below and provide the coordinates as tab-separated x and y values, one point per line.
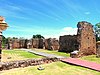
98	49
55	44
22	43
15	43
41	43
47	44
84	41
86	38
51	44
37	43
9	44
68	43
25	63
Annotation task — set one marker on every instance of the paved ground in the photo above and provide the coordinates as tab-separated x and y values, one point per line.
84	63
43	54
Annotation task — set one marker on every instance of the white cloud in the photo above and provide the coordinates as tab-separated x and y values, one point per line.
87	13
68	31
63	31
52	33
52	36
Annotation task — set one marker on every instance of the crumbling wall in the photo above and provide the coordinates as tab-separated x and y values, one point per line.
15	43
86	38
29	44
51	44
41	43
98	49
37	43
47	44
68	43
9	44
54	44
22	43
25	63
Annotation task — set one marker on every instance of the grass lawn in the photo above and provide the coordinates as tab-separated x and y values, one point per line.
91	58
17	55
53	52
55	68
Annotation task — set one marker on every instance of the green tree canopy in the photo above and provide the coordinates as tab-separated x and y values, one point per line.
97	31
98	25
4	41
38	36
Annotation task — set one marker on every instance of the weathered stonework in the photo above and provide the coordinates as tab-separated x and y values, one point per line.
68	43
51	44
37	43
86	38
84	41
25	63
98	49
15	43
55	44
41	43
22	43
47	44
9	44
29	44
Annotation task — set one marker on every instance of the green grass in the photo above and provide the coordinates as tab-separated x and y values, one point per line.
91	58
56	68
17	55
53	52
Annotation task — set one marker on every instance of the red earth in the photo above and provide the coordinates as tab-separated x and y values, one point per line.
83	63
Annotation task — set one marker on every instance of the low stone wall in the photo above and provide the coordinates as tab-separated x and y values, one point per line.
25	63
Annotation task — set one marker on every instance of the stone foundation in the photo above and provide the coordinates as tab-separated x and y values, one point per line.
25	63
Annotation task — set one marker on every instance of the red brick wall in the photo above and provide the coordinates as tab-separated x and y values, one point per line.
86	38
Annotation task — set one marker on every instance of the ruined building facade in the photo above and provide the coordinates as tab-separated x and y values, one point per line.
68	43
15	43
51	44
84	41
22	43
86	38
37	43
9	44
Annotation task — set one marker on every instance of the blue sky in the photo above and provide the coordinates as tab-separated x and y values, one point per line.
50	18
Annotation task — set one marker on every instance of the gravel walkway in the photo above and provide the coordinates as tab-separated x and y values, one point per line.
43	54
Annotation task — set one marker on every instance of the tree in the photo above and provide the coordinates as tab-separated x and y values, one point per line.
38	36
34	36
4	41
97	31
14	38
